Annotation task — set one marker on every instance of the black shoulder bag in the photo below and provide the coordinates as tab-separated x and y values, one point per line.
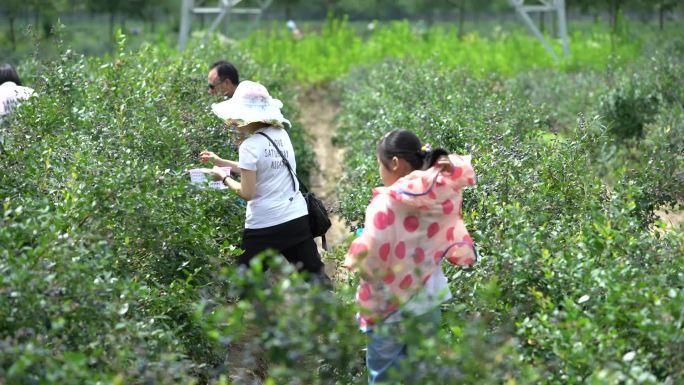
318	214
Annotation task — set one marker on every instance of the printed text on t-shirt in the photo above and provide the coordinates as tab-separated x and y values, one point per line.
272	152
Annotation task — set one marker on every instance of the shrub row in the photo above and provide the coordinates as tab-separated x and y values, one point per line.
571	272
105	245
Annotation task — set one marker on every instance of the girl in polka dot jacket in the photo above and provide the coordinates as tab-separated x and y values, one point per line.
412	225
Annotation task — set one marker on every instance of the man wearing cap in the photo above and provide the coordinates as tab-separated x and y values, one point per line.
222	79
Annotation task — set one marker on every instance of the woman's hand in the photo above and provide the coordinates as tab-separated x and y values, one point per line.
219	173
216	172
208	156
246	188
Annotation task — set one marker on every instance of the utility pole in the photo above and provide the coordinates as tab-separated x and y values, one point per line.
555	8
224	8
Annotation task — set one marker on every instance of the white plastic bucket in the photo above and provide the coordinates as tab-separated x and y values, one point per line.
197	175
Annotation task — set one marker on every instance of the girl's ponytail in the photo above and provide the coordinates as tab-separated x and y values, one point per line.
404	144
431	155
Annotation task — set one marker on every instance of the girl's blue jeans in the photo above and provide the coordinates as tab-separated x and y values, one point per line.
387	347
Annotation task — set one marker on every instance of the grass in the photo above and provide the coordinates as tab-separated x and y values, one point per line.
330	49
325	55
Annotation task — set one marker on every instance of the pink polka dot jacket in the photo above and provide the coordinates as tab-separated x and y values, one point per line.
410	227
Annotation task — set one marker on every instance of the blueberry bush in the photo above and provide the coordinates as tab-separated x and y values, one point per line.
116	270
106	247
572	270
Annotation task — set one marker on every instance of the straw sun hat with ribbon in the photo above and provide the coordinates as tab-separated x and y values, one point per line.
250	103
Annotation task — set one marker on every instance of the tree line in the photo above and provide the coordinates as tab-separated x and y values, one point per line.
45	13
382	9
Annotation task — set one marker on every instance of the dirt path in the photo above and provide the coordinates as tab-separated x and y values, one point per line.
674	219
317	114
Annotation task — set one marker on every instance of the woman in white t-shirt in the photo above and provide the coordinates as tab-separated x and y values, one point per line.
277	216
11	90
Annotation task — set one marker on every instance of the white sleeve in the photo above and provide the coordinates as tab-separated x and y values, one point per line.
248	155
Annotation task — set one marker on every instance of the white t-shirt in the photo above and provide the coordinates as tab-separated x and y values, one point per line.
275	201
11	94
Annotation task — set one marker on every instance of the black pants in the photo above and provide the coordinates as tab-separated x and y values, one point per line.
292	239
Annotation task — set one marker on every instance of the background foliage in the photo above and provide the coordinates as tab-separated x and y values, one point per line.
571	268
28	26
116	270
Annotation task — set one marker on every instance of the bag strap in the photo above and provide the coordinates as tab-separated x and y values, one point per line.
302	186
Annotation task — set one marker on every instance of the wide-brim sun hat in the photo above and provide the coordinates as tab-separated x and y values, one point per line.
250	103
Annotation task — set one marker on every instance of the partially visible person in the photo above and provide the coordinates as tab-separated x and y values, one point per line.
277	215
11	90
411	226
222	79
294	30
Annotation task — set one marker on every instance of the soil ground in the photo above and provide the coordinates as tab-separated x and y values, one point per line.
673	219
317	114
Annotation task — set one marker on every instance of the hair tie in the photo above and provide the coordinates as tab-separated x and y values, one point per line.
426	149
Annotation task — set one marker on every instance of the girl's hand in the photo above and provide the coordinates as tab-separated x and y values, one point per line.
445	164
207	156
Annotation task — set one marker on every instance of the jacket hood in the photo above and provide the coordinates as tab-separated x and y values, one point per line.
429	189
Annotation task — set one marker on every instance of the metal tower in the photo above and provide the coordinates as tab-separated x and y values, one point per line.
221	10
555	7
